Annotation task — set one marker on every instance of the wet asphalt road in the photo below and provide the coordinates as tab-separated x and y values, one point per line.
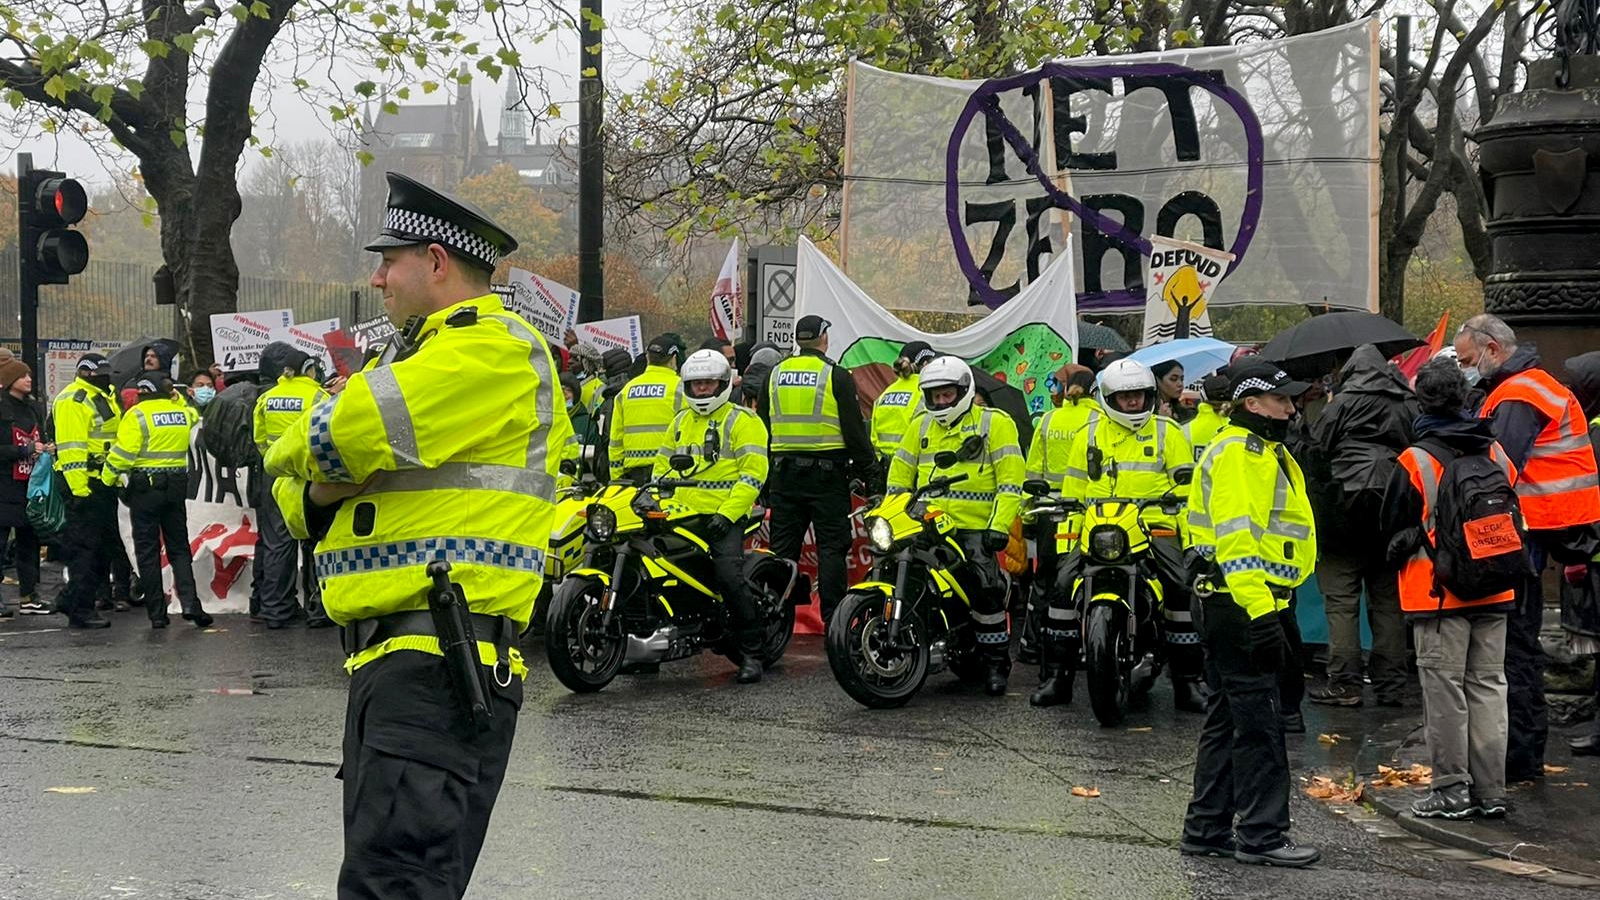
678	785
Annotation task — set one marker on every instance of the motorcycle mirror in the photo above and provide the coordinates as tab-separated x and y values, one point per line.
1037	487
944	459
1183	475
971	448
681	462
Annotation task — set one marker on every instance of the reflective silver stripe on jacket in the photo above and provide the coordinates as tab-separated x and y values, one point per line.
468	477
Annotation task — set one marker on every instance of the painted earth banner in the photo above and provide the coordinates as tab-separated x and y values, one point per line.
961	193
1022	343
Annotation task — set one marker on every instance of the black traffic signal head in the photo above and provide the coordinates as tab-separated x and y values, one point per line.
50	203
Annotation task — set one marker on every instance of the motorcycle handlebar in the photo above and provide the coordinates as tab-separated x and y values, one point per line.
1048	504
938	484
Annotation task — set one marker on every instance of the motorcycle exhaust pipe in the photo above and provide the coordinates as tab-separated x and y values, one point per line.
652	649
936	656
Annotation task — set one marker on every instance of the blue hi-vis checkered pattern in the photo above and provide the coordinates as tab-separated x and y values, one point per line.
1256	563
323	451
407	224
478	551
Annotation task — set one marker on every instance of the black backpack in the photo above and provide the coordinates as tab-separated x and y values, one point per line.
1478	549
230	426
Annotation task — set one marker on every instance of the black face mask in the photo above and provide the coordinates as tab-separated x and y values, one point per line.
103	382
1261	426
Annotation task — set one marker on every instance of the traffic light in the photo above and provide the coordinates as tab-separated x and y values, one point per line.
49	204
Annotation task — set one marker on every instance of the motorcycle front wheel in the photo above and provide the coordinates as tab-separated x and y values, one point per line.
1103	648
582	654
873	673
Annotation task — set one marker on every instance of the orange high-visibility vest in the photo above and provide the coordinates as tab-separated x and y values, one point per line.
1558	486
1418	593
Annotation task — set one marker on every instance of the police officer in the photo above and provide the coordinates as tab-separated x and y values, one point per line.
900	401
449	453
616	362
1254	540
1126	450
818	441
984	505
290	389
86	416
152	453
1047	461
729	445
644	409
1208	417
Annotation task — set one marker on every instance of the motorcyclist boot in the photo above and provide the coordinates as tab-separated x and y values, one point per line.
1188	695
999	673
1055	686
749	670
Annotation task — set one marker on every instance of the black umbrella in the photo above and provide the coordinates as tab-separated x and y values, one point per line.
1092	336
1315	347
129	361
1009	400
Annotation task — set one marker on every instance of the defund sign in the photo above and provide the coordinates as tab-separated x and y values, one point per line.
1114	224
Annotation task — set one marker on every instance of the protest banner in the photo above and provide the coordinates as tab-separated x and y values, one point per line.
312	338
625	333
727	298
373	332
237	339
1181	277
960	192
550	307
61	361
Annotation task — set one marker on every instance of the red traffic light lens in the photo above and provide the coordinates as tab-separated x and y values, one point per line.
63	200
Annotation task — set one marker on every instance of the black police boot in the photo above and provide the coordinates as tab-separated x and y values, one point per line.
90	619
1188	695
999	672
198	616
1055	685
749	669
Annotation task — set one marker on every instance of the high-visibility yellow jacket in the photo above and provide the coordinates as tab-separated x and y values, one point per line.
153	436
1052	438
1199	430
802	407
280	405
991	496
640	418
1248	511
86	420
1136	465
730	485
589	392
459	446
892	413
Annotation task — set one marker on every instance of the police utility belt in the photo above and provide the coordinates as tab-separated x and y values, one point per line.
807	461
358	636
152	478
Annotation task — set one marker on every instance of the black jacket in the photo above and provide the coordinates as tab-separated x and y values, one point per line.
21	423
1355	444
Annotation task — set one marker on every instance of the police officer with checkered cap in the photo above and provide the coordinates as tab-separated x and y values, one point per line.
449	453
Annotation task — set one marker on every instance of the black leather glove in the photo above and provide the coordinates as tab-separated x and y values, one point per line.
995	541
1268	646
718	527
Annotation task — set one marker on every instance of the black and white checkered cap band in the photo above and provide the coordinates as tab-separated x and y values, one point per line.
1265	386
405	223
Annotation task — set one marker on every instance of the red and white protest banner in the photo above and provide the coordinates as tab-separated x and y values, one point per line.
727	298
222	540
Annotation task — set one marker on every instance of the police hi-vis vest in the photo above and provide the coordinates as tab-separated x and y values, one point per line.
152	437
281	405
640	417
86	420
801	406
1557	487
893	411
991	495
1249	513
458	446
1052	438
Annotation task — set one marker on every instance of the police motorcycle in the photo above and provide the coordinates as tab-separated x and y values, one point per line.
911	617
643	593
1111	569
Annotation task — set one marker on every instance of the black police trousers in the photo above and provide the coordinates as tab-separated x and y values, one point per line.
812	491
985	585
744	620
281	570
157	505
1242	767
90	533
420	780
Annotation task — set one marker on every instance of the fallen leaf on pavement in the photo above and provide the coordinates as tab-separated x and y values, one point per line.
1331	739
1554	770
1324	788
880	859
69	790
1145	728
1085	792
1418	774
1579	784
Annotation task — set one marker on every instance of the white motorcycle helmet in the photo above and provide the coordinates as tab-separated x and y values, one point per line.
945	372
1122	377
706	365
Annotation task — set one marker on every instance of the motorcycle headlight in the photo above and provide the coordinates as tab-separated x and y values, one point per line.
602	523
881	533
1108	543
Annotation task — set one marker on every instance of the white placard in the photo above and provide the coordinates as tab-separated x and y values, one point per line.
625	333
237	339
311	338
546	305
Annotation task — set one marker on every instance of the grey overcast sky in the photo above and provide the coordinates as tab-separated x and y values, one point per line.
288	118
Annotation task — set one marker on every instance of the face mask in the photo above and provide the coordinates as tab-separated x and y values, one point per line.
570	405
204	395
1472	375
